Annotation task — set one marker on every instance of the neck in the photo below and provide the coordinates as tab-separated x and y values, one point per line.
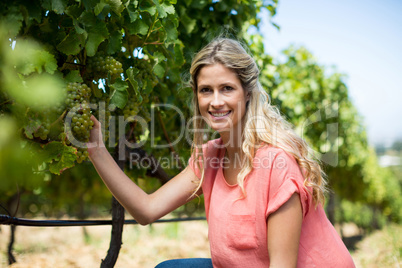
232	143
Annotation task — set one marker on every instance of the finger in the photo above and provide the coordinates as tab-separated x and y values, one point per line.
96	122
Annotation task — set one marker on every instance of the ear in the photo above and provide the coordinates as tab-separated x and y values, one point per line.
248	96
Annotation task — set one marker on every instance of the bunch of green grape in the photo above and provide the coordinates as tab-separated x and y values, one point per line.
78	120
77	94
132	107
81	124
101	66
82	155
43	130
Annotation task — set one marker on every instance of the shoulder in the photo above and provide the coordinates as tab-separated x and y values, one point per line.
274	157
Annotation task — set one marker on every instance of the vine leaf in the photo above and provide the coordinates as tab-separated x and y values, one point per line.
59	6
164	9
13	19
73	76
39	59
116	5
146	6
159	70
119	94
115	42
59	156
171	29
72	43
97	32
132	13
138	27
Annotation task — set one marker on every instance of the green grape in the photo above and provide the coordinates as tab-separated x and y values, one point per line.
78	96
100	66
132	107
82	155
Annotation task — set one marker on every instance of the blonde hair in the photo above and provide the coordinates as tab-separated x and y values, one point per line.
260	114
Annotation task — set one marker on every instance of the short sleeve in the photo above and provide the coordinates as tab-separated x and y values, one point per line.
285	180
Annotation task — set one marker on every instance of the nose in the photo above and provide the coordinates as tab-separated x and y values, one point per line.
217	100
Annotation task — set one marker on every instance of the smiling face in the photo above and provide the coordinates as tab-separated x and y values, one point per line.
221	97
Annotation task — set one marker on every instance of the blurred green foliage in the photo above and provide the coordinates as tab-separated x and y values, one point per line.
45	44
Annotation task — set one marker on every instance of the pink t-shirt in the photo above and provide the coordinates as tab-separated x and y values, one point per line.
238	226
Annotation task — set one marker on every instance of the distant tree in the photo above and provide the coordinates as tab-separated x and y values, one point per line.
397	145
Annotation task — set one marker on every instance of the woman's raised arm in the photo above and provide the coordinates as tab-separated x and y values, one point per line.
145	208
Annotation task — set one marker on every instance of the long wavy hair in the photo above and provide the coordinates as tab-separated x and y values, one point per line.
278	132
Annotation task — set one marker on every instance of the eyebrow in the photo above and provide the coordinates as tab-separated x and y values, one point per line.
220	85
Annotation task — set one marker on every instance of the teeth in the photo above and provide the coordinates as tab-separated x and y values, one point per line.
219	114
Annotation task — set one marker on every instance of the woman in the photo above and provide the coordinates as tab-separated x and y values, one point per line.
263	193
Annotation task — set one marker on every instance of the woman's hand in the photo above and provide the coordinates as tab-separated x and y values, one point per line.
95	138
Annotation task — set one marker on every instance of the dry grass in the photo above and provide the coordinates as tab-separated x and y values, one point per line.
147	246
382	248
143	246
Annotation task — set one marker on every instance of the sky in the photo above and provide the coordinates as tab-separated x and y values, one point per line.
362	39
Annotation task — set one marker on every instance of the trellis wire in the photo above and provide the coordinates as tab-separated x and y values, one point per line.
7	220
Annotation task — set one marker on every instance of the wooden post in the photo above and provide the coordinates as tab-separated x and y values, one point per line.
117	221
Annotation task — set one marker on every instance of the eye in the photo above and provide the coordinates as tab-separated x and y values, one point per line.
204	90
227	88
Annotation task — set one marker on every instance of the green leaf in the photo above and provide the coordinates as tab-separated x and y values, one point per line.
171	25
148	6
39	91
178	53
159	70
133	14
13	21
116	5
138	27
73	76
131	73
164	9
119	94
114	42
159	56
59	156
99	7
200	4
58	6
74	11
32	12
72	43
97	32
189	24
28	58
48	61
